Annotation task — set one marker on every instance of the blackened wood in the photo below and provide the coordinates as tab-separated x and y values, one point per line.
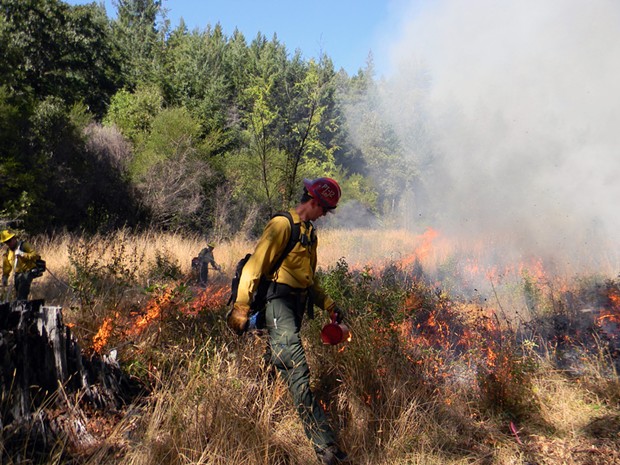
45	380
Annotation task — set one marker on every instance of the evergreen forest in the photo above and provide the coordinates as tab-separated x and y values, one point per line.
131	121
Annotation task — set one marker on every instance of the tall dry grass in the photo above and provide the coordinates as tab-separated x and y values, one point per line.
394	398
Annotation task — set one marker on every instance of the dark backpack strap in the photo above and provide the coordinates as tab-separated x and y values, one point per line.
235	282
293	239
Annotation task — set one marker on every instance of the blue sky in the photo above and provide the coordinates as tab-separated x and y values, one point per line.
346	30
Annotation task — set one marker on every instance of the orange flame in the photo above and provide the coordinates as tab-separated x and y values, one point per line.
211	298
154	310
423	250
103	334
611	315
158	307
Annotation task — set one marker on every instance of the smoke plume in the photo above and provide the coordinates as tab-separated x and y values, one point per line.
512	111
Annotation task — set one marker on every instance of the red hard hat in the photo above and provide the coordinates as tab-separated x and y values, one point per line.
325	190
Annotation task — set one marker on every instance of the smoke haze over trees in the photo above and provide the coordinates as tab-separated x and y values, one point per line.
498	120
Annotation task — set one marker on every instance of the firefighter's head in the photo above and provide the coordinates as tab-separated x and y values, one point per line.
326	191
8	237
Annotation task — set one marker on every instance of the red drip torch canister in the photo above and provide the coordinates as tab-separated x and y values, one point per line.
334	333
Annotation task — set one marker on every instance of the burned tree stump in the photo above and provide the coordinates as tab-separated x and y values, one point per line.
45	381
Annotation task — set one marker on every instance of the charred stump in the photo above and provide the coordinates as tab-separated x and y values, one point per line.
45	382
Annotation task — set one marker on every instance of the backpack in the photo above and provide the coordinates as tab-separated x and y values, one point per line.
256	316
39	265
39	269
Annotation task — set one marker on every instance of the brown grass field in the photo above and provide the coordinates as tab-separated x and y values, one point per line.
440	379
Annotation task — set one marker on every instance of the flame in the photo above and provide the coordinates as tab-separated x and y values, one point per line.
614	298
103	334
423	250
165	301
154	310
211	298
611	315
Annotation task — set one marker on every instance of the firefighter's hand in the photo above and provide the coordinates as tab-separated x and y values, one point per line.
238	318
336	314
19	253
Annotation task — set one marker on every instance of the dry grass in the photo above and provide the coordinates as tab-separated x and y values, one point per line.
212	402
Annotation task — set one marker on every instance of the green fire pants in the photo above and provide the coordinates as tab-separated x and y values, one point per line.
23	281
283	321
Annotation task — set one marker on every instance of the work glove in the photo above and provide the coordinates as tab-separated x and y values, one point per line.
336	314
5	281
237	318
19	253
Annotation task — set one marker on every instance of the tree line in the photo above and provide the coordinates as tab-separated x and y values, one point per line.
129	121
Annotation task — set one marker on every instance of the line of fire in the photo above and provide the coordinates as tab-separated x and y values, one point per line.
460	323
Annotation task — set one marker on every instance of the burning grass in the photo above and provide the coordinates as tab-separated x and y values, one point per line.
451	361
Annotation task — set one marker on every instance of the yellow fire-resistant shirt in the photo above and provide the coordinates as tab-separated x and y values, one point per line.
297	269
25	262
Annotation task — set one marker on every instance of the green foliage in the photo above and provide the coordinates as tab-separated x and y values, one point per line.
172	136
16	210
365	293
164	268
133	113
506	381
196	78
307	112
284	112
101	273
58	160
384	303
356	188
15	179
50	177
255	177
260	117
58	50
375	137
533	294
170	171
139	38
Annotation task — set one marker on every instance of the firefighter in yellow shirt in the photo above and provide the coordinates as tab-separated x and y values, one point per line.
21	258
292	292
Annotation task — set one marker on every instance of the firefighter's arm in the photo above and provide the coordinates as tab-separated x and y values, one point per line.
7	266
28	252
214	265
325	302
269	247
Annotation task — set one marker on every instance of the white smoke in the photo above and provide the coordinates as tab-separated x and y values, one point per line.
520	105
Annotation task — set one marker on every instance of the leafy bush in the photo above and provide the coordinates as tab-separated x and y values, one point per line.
164	268
101	272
